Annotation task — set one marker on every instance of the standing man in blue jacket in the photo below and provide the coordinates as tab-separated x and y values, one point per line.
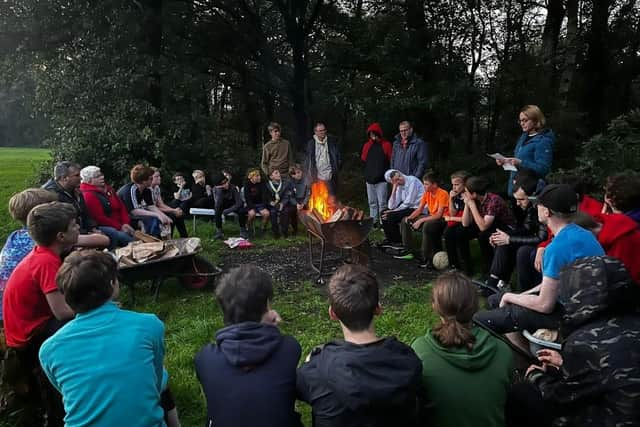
409	154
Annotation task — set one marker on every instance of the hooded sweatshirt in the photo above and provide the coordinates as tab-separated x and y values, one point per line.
465	388
599	381
376	384
620	238
376	156
249	376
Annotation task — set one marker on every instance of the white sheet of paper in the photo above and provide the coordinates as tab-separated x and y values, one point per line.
506	166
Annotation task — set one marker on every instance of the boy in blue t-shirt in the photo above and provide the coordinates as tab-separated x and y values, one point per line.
537	308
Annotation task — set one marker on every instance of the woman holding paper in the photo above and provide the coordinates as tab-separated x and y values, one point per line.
534	149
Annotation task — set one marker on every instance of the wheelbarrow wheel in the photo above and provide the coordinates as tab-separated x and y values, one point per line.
198	274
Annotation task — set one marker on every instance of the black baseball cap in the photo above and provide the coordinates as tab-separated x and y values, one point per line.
560	198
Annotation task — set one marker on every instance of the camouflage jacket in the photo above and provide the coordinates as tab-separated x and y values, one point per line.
599	381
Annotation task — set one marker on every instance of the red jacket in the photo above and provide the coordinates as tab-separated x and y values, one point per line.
386	145
620	238
118	216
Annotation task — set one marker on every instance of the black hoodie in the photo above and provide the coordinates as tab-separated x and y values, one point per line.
249	377
377	384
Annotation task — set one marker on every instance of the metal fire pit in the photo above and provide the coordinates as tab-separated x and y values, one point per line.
350	235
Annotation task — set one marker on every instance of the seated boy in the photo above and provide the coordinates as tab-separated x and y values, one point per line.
484	212
107	362
537	308
33	307
249	376
458	250
227	200
364	380
19	243
300	194
437	201
278	196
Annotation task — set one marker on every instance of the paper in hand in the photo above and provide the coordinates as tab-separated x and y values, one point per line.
505	166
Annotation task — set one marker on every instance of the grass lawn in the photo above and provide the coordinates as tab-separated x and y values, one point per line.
192	317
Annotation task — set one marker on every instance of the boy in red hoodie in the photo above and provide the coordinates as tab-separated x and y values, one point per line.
376	156
619	236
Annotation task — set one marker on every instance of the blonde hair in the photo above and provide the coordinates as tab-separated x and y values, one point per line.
534	113
23	202
253	172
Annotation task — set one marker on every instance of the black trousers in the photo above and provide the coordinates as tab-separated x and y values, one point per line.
456	240
226	204
515	318
178	223
391	224
528	276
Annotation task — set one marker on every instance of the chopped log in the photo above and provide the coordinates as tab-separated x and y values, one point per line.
359	216
337	216
348	213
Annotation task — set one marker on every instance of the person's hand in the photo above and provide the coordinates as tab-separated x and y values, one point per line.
452	194
417	224
537	262
549	357
532	368
499	238
178	212
505	299
128	229
271	317
165	219
299	206
466	197
384	214
500	162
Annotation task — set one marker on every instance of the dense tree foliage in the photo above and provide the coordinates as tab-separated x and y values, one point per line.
193	83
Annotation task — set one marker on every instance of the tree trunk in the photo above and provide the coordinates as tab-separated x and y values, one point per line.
571	54
553	23
597	64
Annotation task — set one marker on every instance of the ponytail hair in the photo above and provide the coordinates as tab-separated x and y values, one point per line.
456	301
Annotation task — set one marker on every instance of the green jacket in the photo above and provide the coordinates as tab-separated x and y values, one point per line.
465	388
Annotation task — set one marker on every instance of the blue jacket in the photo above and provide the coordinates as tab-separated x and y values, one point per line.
413	160
536	154
249	377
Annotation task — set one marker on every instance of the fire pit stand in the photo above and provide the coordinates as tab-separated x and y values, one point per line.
349	235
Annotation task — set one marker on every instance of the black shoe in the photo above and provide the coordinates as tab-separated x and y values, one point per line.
428	265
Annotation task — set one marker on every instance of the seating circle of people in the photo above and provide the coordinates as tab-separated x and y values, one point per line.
577	278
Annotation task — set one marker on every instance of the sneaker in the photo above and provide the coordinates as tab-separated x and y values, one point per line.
244	233
391	245
218	235
404	255
428	265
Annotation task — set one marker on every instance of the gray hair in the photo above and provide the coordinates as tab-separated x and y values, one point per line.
61	169
89	172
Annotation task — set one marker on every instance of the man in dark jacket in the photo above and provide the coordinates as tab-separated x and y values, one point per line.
518	246
323	159
595	379
66	183
364	380
409	154
249	376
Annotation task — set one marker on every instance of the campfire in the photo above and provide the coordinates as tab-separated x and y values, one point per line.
342	227
325	208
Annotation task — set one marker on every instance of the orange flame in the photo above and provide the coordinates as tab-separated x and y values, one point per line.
321	201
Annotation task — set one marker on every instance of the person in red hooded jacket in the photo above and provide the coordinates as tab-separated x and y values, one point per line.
619	236
376	156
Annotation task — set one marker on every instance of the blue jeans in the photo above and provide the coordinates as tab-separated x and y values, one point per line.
118	238
377	196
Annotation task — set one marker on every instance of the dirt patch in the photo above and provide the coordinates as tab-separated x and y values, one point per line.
290	265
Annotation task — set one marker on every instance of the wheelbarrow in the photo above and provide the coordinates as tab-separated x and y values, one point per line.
193	271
